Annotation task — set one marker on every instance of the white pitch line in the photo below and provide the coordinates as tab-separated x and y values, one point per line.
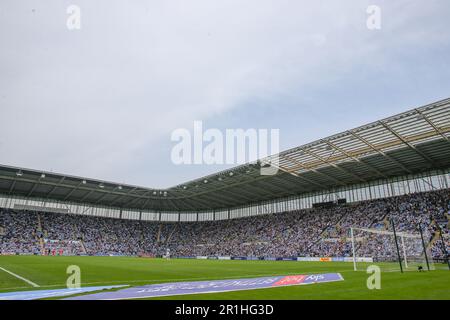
21	278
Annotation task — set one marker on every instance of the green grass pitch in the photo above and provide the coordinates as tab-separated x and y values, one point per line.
50	273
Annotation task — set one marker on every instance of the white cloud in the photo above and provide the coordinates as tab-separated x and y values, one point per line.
86	102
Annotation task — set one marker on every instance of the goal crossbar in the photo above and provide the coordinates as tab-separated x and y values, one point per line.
385	232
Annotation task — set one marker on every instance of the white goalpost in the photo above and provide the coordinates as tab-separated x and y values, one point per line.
353	249
405	256
381	245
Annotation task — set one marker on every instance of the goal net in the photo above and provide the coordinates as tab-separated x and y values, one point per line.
391	251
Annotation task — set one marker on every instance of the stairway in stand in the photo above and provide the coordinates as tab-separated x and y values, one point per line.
83	246
40	239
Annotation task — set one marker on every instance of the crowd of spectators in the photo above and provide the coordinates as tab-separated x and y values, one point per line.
19	232
313	232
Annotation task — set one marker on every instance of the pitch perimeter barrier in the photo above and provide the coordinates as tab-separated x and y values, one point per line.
304	259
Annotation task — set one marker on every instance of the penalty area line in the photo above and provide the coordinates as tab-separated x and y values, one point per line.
21	278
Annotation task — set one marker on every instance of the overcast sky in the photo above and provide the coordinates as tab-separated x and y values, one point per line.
102	101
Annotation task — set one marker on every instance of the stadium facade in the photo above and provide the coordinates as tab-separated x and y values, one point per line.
403	154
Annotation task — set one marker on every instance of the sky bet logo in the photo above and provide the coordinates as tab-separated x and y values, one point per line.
290	280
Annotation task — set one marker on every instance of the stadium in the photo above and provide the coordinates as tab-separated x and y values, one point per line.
202	159
376	195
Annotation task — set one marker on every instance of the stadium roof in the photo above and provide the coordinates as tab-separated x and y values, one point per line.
411	142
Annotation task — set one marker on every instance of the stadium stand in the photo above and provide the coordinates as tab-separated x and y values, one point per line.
392	170
320	232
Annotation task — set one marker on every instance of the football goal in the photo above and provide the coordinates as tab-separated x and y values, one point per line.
403	251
